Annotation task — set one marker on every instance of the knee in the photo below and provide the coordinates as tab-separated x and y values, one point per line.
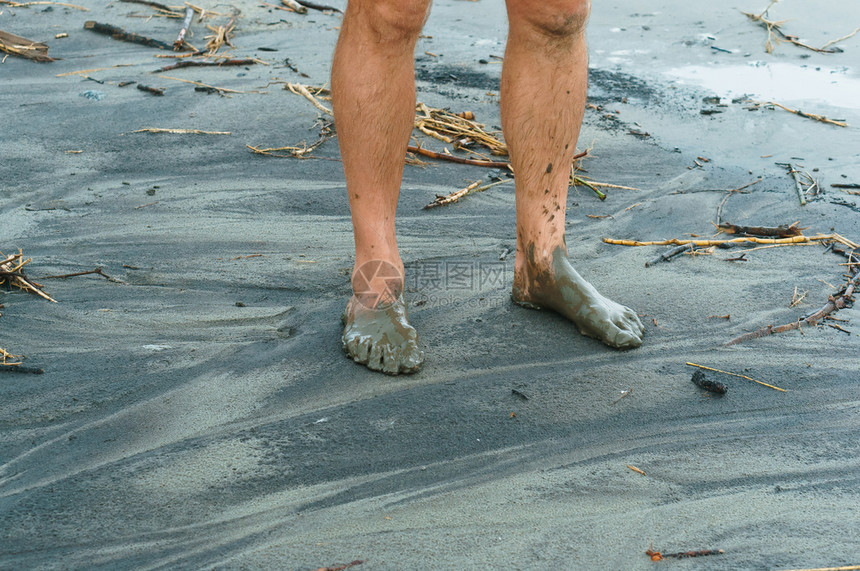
558	19
391	20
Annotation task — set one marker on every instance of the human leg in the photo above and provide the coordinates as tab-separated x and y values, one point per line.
543	93
373	95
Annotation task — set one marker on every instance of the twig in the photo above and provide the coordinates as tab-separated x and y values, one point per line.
25	4
669	254
453	159
218	89
774	31
294	6
155	5
303	90
12	274
320	7
150	89
843	568
736	375
186	25
800	113
779	231
623	394
196	63
842	299
746	239
121	35
98	271
637	470
181	131
455	196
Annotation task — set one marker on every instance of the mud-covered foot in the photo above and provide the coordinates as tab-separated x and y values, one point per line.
381	337
555	284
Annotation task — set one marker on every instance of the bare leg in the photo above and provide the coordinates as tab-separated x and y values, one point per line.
373	89
543	99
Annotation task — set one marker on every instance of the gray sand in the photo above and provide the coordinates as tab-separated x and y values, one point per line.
203	415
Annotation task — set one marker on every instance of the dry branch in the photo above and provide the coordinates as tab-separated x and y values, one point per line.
197	63
181	131
746	239
121	35
454	159
778	231
834	303
186	25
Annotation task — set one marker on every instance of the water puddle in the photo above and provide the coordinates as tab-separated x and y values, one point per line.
779	82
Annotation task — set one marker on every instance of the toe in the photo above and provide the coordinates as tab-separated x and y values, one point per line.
626	340
374	360
390	360
362	350
411	359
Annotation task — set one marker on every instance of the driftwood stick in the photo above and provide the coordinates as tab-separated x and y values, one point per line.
842	299
320	7
155	5
752	239
98	271
186	25
779	231
196	63
669	254
804	114
295	6
122	35
460	160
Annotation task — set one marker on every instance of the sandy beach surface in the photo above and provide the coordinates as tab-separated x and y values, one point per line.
199	411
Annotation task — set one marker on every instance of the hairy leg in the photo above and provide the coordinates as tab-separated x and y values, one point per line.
373	94
543	93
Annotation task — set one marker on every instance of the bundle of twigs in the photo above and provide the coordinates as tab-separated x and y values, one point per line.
12	275
459	129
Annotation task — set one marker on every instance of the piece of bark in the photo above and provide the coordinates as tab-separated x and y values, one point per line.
16	45
703	382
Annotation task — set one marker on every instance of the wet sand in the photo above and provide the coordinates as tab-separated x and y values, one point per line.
204	416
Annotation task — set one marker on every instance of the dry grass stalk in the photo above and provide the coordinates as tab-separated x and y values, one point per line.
824	238
11	274
457	195
25	4
301	151
305	91
800	113
775	35
221	90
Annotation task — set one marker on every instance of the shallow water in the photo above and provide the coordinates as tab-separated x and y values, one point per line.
784	82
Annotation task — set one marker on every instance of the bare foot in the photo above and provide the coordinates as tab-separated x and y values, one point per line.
381	338
376	327
555	284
